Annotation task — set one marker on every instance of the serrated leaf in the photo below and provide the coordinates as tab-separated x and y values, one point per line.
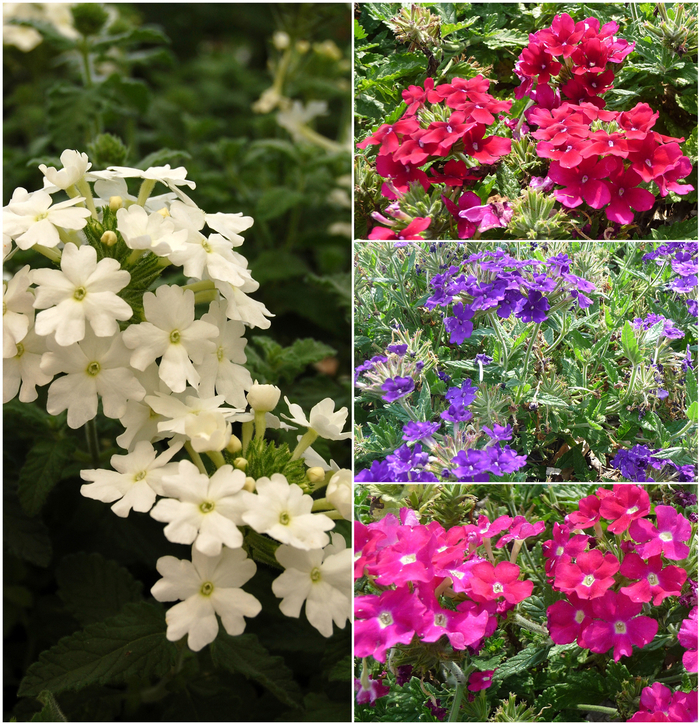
524	660
27	538
545	398
132	644
94	588
629	344
42	470
51	710
359	31
682	230
26	420
245	655
342	670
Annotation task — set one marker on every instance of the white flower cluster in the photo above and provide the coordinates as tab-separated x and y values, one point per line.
166	375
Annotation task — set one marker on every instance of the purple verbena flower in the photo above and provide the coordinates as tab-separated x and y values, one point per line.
397	387
499	432
399	349
414	431
534	308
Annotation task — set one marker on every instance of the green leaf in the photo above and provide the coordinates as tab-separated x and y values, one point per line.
162	157
94	588
545	398
51	710
680	230
287	362
245	655
277	201
42	470
692	412
130	645
507	183
27	538
359	31
277	264
629	344
26	420
524	660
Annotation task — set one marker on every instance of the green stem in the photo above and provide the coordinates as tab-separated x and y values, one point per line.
530	625
85	191
196	458
260	423
497	326
93	443
246	436
203	286
53	254
308	439
206	297
530	345
216	457
145	191
683	430
457	703
599	709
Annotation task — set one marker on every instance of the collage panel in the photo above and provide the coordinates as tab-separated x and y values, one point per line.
177	356
550	603
525	361
526	121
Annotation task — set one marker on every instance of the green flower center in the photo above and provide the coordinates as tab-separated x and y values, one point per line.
589	581
410	558
620	627
497	588
207	506
43	215
140	476
175	336
207	588
316	575
580	615
220	354
666	536
653	579
93	369
284	518
20	349
206	247
79	294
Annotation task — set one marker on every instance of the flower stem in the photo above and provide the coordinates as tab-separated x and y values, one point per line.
216	457
196	458
52	254
246	436
93	443
145	191
599	709
530	625
529	351
504	344
308	439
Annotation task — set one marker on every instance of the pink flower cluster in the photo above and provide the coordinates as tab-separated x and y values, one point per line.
657	703
600	157
415	565
422	136
594	613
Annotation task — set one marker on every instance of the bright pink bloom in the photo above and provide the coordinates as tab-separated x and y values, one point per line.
490	582
602	143
485	150
657	703
637	122
480	680
520	529
587	515
489	216
535	60
566	620
590	576
667	180
590	57
666	537
374	691
488	529
409	559
413	231
562	545
415	96
401	175
465	228
625	504
367	541
583	183
386	620
455	173
619	626
655	581
568	153
460	91
562	38
649	159
415	151
446	133
688	639
625	196
388	135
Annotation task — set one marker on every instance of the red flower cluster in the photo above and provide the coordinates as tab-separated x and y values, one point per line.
593	614
658	703
439	122
600	157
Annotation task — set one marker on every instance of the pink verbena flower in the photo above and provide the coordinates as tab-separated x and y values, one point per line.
590	576
587	515
627	503
655	581
480	680
562	545
657	703
625	196
490	582
567	620
520	529
688	639
370	691
618	626
666	537
409	559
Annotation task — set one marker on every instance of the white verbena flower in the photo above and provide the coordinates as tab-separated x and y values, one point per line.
283	512
95	366
140	420
339	492
243	308
83	289
33	218
135	483
17	310
75	166
207	586
263	398
322	578
142	230
22	372
322	420
229	225
202	510
171	333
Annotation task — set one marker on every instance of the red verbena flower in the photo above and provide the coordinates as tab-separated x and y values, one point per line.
625	504
491	582
566	620
655	581
590	576
666	537
625	196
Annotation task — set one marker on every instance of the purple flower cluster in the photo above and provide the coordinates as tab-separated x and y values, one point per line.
397	388
635	462
402	466
684	262
493	280
474	466
651	319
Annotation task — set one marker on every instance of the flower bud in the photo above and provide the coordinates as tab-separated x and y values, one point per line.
249	484
89	18
234	445
280	40
339	493
303	46
315	475
263	398
109	238
115	203
240	463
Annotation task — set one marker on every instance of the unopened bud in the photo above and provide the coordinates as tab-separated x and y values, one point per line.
240	463
303	46
263	398
328	49
315	475
115	203
234	445
109	238
249	484
280	40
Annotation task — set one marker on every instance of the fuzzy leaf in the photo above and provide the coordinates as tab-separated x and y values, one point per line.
524	660
629	344
132	644
245	655
42	470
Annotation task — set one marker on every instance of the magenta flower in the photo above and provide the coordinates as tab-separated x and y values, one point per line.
409	559
480	680
667	181
493	582
625	504
562	545
649	159
446	133
489	216
374	690
388	135
535	60
413	231
567	620
520	529
602	143
562	38
465	228
401	176
384	621
655	581
583	183
590	576
461	628
618	626
688	639
637	122
485	150
666	537
415	96
625	196
657	703
590	57
587	515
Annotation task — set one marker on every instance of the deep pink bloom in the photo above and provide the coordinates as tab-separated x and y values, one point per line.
667	181
562	545
480	680
602	143
455	173
520	529
400	174
625	504
465	228
638	121
569	152
587	515
415	96
657	703
446	133
375	690
409	559
488	529
566	620
490	582
485	150
590	576
590	57
489	216
386	620
618	625
535	60
388	135
688	639
413	231
655	581
461	90
583	183
625	196
650	159
562	38
666	537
